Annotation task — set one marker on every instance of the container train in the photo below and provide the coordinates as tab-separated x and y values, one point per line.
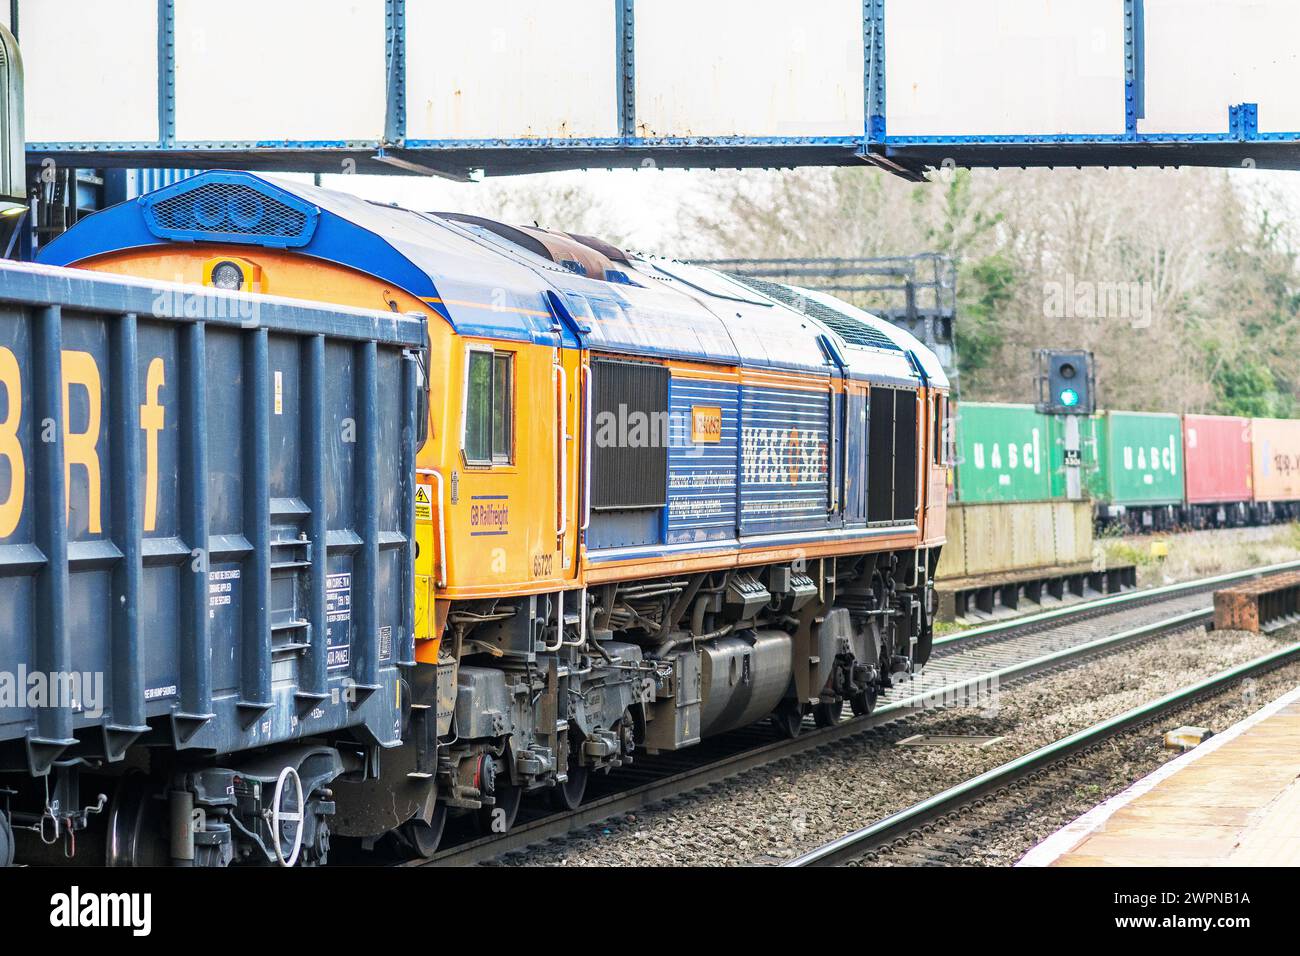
352	572
1144	471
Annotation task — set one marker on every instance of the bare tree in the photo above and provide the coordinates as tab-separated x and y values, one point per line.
562	207
1180	282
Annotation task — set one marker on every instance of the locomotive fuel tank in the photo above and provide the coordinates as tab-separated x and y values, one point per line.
744	678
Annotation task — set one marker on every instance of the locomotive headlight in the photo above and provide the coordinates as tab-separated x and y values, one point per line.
227	275
234	274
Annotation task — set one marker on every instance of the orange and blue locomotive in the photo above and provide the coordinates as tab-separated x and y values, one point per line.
656	502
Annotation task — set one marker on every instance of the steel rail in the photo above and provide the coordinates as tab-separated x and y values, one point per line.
1083	609
861	842
675	784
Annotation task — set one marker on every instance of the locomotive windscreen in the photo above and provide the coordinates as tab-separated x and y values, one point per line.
629	454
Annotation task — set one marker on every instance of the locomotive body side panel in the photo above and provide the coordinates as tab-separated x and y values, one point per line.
937	445
505	528
704	449
785	446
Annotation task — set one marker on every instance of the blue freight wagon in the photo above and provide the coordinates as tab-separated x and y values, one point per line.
206	515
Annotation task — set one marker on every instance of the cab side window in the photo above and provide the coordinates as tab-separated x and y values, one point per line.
940	453
489	408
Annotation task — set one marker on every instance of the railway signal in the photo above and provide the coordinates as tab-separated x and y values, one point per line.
1067	386
1066	382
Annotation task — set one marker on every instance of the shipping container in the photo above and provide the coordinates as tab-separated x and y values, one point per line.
1009	453
1276	449
1218	461
205	507
1139	459
1006	539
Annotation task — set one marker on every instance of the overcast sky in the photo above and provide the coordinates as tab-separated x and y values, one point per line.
647	202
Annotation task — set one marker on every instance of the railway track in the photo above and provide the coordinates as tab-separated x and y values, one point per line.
920	822
964	668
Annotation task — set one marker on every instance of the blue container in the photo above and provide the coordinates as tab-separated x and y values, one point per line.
205	509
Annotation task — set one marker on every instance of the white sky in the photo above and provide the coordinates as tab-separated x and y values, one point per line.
647	202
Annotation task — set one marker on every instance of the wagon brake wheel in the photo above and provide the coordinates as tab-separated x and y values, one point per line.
280	815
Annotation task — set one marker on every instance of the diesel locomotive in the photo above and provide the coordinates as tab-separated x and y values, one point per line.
655	502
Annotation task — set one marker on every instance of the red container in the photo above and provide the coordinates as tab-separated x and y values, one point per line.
1217	455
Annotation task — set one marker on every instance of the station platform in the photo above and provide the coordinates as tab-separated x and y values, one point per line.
1232	801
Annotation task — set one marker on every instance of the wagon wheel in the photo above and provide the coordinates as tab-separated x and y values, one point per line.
6	841
423	838
134	821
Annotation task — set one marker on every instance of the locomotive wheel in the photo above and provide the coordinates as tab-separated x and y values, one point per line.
864	702
788	718
828	715
568	795
499	817
422	838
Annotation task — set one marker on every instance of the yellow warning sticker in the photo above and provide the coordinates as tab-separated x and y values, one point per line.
706	424
423	503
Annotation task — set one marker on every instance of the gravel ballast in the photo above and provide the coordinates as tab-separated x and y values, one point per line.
771	814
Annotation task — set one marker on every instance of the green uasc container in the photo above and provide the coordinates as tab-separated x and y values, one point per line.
1005	453
1139	458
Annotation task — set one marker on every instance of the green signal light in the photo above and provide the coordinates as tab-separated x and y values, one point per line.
1069	397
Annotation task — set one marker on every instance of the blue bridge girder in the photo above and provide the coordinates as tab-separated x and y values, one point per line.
511	86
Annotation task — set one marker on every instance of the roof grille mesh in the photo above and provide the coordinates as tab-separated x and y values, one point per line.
851	330
229	210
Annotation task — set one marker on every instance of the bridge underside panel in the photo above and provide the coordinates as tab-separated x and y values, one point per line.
507	86
1009	68
1204	57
